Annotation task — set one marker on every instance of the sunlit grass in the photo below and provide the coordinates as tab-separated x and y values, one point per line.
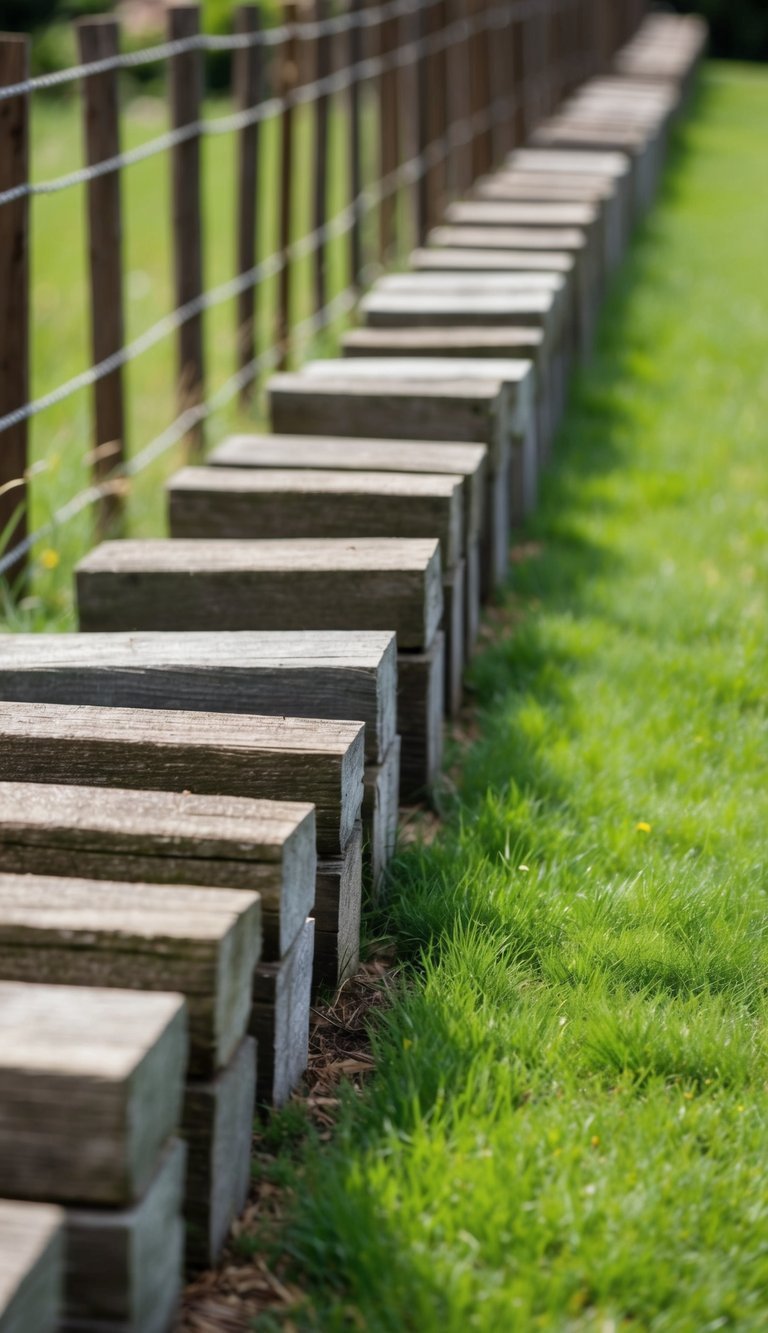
567	1127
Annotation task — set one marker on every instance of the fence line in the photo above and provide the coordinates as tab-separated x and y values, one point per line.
448	85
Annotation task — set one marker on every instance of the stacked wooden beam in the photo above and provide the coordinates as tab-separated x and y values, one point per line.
371	584
31	1267
186	786
91	1085
154	929
334	675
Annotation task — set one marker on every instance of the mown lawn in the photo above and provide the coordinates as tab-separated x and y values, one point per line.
567	1129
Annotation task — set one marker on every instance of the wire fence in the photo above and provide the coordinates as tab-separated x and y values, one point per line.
418	96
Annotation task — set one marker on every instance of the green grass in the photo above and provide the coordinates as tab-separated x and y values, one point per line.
567	1129
60	438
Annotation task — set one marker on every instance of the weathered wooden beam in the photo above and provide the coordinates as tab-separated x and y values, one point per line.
503	342
124	1266
434	259
209	753
170	838
287	503
337	915
381	800
271	503
116	1060
457	408
392	309
468	462
518	456
456	340
420	709
280	1021
31	1267
201	943
339	674
380	584
218	1129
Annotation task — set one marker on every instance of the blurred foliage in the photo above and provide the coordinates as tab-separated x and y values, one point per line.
738	28
54	46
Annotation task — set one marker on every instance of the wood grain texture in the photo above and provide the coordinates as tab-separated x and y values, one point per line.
379	583
280	1021
381	801
410	456
218	1129
207	753
170	838
31	1267
421	691
125	1265
116	1059
337	915
339	674
202	943
248	503
462	410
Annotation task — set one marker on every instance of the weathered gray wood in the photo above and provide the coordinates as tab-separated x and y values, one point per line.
437	259
381	801
229	842
475	342
455	631
450	340
218	1129
485	213
337	915
124	1266
463	411
280	1021
202	943
473	236
285	503
519	458
116	1060
345	674
420	694
208	753
31	1267
614	165
393	309
364	455
461	284
370	584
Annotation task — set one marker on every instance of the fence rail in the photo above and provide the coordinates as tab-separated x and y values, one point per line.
422	92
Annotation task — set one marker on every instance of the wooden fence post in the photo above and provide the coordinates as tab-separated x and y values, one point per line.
355	146
99	39
389	138
323	64
287	75
458	61
247	82
186	90
433	91
421	112
14	296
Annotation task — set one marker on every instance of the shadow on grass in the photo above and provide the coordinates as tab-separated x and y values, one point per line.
343	1234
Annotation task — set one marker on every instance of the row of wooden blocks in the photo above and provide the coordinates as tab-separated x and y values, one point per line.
191	786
